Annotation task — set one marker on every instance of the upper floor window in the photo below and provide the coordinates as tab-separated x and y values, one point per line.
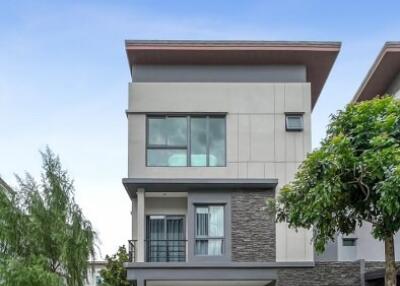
186	141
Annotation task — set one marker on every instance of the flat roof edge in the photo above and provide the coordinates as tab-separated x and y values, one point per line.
390	46
201	43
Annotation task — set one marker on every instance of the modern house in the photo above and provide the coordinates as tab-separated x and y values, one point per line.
215	129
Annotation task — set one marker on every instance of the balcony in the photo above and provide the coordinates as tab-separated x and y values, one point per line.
160	250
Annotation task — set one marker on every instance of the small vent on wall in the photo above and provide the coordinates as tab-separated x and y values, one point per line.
349	241
294	122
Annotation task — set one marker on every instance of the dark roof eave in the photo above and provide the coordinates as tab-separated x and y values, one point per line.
381	73
318	57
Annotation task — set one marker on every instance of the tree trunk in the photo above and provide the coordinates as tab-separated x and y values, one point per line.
390	263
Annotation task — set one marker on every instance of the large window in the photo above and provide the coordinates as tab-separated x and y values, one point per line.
209	230
197	141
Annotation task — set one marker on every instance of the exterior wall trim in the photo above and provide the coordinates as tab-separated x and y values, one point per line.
231	265
204	184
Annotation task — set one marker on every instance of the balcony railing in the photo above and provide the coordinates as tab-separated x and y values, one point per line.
161	250
132	250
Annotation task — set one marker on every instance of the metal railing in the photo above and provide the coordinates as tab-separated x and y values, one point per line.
164	250
132	250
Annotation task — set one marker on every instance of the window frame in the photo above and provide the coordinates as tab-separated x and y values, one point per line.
188	138
294	114
352	240
222	238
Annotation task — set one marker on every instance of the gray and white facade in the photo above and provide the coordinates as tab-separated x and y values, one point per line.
215	129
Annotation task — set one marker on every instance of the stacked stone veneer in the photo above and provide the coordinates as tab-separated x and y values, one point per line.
253	228
323	274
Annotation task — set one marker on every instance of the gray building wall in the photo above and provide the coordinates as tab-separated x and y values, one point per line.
330	253
253	228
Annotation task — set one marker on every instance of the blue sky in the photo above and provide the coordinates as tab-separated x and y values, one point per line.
64	75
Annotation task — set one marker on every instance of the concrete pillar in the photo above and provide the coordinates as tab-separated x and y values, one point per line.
141	236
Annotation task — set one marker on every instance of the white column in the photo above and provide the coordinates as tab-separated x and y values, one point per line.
140	244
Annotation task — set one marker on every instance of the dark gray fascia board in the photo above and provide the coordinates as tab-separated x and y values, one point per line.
172	113
186	185
211	271
230	265
231	42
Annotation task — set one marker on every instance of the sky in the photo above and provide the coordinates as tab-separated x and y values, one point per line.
64	77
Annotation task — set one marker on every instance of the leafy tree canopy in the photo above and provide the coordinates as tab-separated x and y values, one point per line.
114	274
44	237
352	178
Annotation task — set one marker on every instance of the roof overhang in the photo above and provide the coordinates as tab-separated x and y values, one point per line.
187	185
381	74
318	57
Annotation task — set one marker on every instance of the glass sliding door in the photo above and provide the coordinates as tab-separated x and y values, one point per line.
165	240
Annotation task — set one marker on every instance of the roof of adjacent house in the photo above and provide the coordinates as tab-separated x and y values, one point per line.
381	74
318	57
5	185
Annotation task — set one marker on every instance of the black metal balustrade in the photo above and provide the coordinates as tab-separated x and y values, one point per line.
165	250
160	250
132	250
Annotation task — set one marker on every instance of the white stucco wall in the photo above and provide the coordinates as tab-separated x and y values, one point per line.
258	146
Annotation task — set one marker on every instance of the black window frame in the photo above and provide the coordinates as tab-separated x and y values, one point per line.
186	147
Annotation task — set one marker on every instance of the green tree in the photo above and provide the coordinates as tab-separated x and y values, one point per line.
114	274
43	233
353	178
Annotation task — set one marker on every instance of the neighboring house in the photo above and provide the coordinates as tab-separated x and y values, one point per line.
4	186
93	277
382	78
214	129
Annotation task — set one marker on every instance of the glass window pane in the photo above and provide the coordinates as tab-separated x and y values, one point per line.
201	221
157	131
214	247
201	247
166	157
176	130
198	141
216	221
217	142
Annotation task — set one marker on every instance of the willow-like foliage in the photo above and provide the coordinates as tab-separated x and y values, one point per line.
43	232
